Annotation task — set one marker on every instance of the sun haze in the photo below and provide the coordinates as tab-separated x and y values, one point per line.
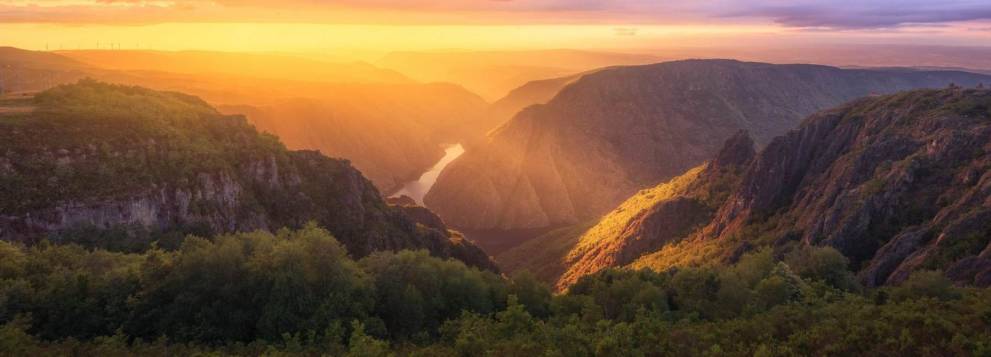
495	177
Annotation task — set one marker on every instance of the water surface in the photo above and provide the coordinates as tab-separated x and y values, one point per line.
419	188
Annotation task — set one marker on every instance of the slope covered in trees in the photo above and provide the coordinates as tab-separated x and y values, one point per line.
117	165
297	292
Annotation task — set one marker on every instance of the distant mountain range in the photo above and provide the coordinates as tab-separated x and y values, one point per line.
896	183
615	131
492	74
389	126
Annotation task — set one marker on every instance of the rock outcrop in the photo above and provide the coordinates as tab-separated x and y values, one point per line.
897	184
111	157
613	132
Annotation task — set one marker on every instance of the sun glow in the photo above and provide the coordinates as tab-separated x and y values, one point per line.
324	37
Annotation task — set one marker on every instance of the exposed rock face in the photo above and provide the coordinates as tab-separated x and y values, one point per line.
70	166
896	183
616	131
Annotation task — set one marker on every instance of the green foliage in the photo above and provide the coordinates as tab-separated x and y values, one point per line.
93	139
823	264
972	105
781	286
249	286
362	345
297	292
960	247
928	284
415	292
533	294
621	293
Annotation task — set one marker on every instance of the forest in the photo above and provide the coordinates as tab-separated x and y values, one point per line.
299	292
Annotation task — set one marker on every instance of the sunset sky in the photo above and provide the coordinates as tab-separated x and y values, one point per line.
326	25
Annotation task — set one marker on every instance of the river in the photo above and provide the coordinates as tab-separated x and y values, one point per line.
419	188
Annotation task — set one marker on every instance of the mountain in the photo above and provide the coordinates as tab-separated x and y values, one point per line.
492	74
392	129
391	132
531	93
23	70
897	184
660	215
259	65
616	131
102	159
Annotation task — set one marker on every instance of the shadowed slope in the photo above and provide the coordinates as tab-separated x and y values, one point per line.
616	131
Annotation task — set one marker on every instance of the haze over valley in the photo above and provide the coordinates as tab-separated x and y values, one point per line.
495	178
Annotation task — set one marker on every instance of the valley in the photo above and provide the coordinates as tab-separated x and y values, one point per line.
419	188
495	178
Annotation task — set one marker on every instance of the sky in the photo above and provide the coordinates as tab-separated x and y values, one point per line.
303	25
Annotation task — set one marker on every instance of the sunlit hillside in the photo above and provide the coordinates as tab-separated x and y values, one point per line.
392	178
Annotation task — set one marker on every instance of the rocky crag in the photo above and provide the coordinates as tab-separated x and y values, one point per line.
897	184
108	157
619	130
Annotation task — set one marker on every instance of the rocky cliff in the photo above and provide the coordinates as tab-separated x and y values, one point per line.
107	157
896	183
619	130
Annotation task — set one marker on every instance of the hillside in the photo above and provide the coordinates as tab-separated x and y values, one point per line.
22	70
616	131
258	65
390	128
104	160
492	74
391	132
897	184
531	93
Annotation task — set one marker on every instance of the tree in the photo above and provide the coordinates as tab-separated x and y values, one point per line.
823	264
362	345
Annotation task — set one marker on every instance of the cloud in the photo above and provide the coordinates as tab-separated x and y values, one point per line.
809	14
862	14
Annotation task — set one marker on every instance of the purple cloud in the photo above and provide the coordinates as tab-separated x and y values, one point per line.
863	14
809	14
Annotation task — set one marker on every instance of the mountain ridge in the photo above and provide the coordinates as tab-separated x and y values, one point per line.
106	158
897	183
619	130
